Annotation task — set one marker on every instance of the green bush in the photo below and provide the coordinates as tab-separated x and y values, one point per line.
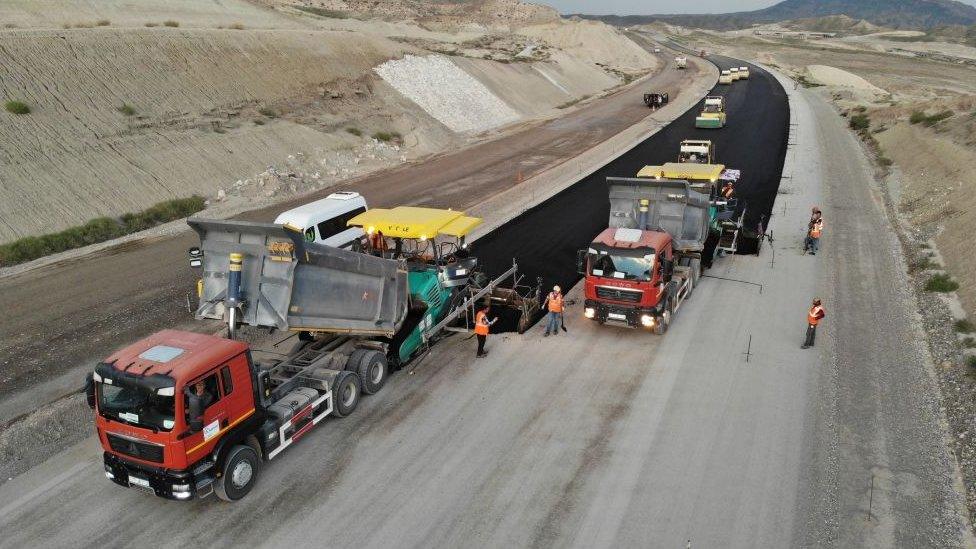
919	117
964	326
355	131
971	361
17	107
127	109
171	23
103	22
258	122
322	12
269	112
236	26
859	122
97	230
386	136
885	161
942	283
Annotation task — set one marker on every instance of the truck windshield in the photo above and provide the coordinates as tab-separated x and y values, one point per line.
712	108
615	266
136	406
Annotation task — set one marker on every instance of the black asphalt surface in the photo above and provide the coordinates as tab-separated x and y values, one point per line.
544	240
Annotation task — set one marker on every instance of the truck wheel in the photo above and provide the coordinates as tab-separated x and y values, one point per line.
372	369
696	270
345	393
663	321
240	472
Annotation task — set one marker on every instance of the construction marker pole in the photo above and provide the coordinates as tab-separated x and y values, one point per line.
871	498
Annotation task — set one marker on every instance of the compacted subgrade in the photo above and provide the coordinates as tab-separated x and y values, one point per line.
545	239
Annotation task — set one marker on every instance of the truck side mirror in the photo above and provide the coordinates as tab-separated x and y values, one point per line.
581	262
90	390
196	257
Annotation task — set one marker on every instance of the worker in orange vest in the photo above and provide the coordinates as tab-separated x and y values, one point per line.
728	190
812	243
377	243
482	326
554	304
814	316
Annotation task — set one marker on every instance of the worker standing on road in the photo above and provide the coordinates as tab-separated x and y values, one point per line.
481	328
812	243
814	316
554	304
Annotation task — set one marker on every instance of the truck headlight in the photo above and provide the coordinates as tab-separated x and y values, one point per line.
181	495
589	312
647	320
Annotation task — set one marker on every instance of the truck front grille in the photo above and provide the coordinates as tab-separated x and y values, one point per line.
619	294
141	450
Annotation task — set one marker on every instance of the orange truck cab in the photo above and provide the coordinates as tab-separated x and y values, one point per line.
625	274
184	415
639	270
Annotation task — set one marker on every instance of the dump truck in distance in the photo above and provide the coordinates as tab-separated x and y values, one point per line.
681	62
184	415
639	270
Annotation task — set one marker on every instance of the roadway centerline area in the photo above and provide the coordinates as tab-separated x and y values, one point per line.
600	437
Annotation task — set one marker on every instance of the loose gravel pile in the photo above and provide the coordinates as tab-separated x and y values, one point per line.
447	93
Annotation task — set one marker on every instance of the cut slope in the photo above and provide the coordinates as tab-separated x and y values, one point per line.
447	93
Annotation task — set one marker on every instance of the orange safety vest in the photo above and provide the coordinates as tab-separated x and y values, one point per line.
816	229
555	302
481	323
813	317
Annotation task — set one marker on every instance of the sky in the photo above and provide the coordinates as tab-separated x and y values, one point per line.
645	7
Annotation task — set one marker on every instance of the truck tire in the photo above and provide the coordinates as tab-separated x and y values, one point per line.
372	369
240	472
345	393
664	321
696	270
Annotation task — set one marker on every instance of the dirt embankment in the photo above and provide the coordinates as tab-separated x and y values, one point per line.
279	102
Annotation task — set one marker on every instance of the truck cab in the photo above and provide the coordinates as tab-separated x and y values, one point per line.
725	77
167	406
326	221
625	273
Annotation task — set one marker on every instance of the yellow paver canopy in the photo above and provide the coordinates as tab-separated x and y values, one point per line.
413	222
687	171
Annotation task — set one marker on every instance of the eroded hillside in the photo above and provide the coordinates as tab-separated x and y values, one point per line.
245	103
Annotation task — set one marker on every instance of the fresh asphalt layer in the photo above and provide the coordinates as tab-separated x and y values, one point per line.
544	240
602	437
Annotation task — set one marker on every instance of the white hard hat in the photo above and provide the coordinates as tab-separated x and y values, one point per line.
555	288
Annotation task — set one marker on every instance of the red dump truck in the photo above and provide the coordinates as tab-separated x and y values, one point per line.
639	270
184	415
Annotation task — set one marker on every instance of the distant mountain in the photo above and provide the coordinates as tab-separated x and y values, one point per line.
900	14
